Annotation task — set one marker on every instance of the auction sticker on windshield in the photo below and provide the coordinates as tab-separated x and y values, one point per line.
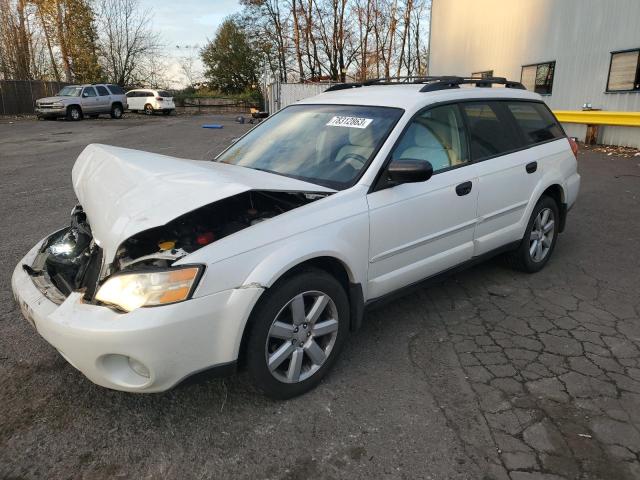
349	122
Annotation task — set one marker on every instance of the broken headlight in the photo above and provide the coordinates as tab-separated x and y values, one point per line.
129	291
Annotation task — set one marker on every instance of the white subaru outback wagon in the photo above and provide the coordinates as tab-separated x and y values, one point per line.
268	256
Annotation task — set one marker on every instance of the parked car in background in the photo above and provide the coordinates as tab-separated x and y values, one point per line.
77	101
150	101
268	256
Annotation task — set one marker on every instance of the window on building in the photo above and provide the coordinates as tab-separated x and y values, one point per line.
485	74
624	71
538	77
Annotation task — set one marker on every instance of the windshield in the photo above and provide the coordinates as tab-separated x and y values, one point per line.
70	92
330	145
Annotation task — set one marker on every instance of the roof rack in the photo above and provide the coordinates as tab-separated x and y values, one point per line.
432	83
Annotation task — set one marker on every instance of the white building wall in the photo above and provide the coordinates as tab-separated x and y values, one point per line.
503	35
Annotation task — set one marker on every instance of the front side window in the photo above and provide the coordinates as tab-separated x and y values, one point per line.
330	145
70	92
624	72
535	121
89	92
437	136
539	77
490	134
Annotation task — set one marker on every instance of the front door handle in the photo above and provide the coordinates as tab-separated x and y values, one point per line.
532	167
464	188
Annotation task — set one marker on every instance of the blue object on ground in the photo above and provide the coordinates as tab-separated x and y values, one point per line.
213	125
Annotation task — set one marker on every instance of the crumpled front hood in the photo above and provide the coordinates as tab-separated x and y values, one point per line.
124	191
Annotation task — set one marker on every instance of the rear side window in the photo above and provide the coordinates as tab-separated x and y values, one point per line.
162	93
115	90
490	134
102	91
536	122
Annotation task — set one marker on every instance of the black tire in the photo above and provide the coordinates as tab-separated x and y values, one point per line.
148	109
116	111
264	315
166	112
522	259
74	113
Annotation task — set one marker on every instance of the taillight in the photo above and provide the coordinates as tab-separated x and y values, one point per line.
574	146
159	99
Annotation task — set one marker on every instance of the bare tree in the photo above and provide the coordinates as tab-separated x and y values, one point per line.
127	40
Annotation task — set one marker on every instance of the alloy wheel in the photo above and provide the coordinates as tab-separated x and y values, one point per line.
301	337
541	238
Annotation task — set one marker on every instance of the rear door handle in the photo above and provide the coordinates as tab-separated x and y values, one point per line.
532	167
464	188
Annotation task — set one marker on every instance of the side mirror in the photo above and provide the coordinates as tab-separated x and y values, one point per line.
409	170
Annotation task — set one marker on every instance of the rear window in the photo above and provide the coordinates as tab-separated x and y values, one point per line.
163	93
536	122
489	133
115	90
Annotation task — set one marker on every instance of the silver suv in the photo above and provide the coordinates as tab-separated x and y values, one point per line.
76	101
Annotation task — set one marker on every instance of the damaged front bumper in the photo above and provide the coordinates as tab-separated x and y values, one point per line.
146	350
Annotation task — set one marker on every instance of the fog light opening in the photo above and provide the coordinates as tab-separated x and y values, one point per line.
139	368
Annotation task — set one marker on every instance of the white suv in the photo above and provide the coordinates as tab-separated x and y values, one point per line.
150	101
269	255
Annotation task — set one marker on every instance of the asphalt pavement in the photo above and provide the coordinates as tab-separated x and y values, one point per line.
492	374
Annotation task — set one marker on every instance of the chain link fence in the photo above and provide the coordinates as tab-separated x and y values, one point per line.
18	97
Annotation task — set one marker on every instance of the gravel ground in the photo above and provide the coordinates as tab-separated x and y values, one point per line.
492	374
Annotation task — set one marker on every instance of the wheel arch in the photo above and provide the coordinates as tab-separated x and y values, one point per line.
557	193
333	266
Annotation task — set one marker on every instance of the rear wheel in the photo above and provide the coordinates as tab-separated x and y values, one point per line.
148	109
74	113
116	111
298	330
539	239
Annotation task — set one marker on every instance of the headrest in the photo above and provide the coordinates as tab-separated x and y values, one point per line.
362	137
423	137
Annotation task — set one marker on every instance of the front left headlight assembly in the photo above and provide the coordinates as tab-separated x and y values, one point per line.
128	291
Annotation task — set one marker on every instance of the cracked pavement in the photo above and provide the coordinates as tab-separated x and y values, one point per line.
492	374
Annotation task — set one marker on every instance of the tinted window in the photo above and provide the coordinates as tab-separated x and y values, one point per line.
489	133
115	90
131	94
162	93
102	91
535	121
437	136
89	92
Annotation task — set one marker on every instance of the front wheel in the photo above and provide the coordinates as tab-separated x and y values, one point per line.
297	332
74	113
539	239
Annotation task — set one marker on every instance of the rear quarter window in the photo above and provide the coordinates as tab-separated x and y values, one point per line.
115	90
535	121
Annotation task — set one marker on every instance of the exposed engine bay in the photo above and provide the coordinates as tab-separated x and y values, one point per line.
72	261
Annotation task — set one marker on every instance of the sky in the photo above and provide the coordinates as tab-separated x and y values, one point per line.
186	23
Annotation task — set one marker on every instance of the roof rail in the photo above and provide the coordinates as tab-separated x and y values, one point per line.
432	83
455	82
